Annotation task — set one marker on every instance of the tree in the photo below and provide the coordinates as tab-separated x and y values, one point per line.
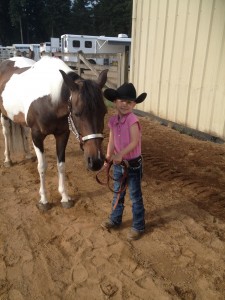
33	29
32	21
6	30
81	20
17	12
25	18
56	17
113	17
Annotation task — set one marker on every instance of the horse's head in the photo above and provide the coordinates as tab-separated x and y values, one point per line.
87	111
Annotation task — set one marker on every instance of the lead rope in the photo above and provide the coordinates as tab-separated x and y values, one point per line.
123	180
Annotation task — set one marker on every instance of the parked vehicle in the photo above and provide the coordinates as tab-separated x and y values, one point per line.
50	47
6	52
70	44
94	44
27	50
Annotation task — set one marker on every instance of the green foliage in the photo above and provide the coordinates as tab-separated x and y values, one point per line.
56	15
17	10
113	17
81	18
6	30
36	21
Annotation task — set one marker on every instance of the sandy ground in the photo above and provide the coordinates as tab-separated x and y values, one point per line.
64	253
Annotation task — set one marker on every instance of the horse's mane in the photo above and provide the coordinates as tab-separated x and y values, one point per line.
92	96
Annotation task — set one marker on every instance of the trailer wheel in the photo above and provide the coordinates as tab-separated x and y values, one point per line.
92	61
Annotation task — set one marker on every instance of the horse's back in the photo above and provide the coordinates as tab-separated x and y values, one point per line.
51	64
8	68
22	81
15	64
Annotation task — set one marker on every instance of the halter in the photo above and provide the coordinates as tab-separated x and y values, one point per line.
74	130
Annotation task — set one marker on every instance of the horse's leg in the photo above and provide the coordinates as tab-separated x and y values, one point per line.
6	132
61	142
28	154
38	143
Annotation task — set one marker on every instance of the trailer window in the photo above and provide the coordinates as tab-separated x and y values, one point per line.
88	44
106	61
76	44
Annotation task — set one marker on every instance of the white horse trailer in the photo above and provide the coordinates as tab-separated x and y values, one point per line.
26	50
50	47
94	44
6	52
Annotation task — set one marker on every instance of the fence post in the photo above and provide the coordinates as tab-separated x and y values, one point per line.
119	67
78	64
126	66
122	67
81	56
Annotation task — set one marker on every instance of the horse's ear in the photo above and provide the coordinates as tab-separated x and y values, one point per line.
102	78
68	81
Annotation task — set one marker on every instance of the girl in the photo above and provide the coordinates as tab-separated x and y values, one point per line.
125	144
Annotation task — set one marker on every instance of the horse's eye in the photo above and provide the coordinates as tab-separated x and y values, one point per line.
77	114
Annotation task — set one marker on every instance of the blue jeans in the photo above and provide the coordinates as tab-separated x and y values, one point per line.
134	186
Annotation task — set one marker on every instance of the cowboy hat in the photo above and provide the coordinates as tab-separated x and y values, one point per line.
124	92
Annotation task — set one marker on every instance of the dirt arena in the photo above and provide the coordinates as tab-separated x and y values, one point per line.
64	254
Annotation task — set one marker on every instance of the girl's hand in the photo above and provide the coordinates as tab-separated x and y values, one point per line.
117	158
106	162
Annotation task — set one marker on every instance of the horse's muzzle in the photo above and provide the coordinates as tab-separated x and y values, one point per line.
95	164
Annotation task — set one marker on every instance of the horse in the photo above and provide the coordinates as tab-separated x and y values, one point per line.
48	97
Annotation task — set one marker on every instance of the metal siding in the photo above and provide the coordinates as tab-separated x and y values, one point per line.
185	42
158	54
149	60
218	113
178	58
142	50
214	66
199	63
167	73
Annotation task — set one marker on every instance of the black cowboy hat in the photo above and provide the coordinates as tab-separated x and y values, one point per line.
125	92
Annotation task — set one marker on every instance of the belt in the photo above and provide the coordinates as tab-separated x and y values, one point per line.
135	162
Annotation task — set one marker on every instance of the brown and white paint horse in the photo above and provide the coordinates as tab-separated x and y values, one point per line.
42	96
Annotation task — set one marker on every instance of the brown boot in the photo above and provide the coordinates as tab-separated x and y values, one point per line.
108	224
134	235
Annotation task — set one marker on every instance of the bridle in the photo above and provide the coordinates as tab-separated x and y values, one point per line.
72	127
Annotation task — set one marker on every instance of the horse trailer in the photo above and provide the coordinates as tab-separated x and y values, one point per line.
71	43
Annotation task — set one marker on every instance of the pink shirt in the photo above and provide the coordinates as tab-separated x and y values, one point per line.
121	133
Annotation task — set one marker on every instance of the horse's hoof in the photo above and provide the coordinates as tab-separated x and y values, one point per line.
44	207
8	164
68	204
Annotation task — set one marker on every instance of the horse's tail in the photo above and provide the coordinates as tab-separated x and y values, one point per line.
18	135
